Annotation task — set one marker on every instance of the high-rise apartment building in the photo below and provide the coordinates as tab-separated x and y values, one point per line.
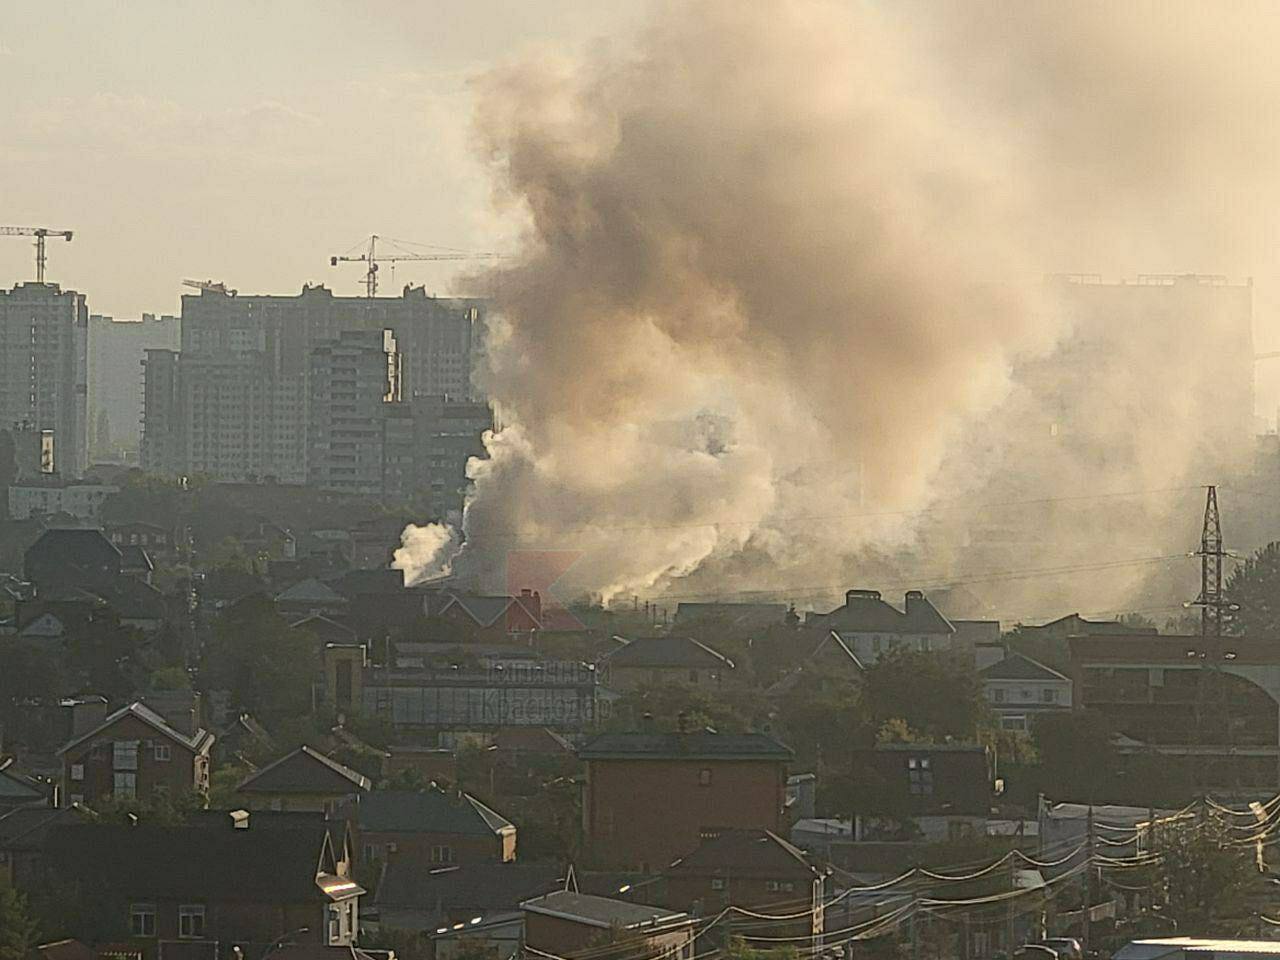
44	333
236	401
353	380
116	352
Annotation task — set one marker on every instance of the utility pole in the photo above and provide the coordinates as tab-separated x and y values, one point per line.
1212	604
1089	887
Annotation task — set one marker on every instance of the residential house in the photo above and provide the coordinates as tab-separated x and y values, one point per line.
871	627
650	796
310	598
563	923
153	538
922	791
133	753
663	660
431	828
819	655
70	557
748	868
465	902
23	832
17	789
227	882
1018	689
304	780
494	619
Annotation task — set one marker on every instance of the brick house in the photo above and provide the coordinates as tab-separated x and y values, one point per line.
650	796
662	660
748	868
432	828
231	882
304	780
941	791
132	753
564	923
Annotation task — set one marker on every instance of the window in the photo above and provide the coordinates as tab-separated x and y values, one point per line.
1049	695
191	921
997	695
370	852
704	777
772	886
717	883
786	886
124	785
77	771
142	919
875	644
442	854
1014	721
124	755
162	752
920	776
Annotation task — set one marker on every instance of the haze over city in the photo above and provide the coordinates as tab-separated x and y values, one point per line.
639	480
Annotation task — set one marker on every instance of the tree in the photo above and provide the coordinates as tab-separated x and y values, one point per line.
1204	876
936	696
18	927
1076	754
267	665
1254	591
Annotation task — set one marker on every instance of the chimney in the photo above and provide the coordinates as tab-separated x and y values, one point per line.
239	819
853	596
646	723
915	600
85	713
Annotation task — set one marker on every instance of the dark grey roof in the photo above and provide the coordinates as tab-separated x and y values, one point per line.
865	612
743	853
484	886
305	771
428	811
681	652
16	788
685	746
197	741
27	827
485	610
267	866
599	911
1016	666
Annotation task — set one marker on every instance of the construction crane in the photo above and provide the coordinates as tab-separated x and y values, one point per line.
213	286
373	258
41	234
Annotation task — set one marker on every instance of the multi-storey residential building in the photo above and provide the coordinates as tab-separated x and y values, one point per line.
428	442
235	403
116	351
353	378
44	332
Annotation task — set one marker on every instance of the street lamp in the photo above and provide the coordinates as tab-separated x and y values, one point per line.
279	941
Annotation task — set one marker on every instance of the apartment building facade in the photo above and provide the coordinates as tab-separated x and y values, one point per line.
44	343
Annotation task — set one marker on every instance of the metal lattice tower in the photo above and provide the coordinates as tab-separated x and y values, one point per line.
1211	554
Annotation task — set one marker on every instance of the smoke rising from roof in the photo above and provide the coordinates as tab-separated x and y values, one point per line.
777	275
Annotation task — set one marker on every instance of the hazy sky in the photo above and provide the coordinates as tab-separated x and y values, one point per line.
248	140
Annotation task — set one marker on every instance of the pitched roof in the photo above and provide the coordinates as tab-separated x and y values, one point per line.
865	612
324	627
745	853
1016	666
311	591
484	610
27	827
305	771
428	811
198	741
79	545
682	652
599	911
15	788
700	745
485	886
209	863
133	557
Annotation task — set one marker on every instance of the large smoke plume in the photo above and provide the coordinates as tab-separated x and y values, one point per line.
779	277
